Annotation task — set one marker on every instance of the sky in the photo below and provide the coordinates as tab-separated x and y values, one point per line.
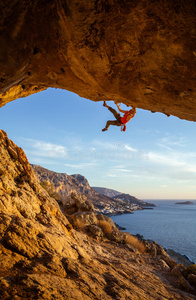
154	159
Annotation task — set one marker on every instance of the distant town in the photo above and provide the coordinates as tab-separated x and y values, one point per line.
118	208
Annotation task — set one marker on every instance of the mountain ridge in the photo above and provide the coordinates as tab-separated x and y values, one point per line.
65	184
132	199
106	191
123	196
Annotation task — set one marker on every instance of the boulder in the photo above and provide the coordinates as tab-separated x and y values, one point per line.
117	236
132	249
107	219
155	249
81	219
95	230
81	202
170	261
162	265
160	250
178	270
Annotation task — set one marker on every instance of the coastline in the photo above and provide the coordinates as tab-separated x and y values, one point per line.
167	227
178	257
124	212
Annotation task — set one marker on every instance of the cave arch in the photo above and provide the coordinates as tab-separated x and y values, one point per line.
141	53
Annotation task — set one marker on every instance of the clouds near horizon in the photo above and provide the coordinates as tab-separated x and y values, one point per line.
114	160
154	158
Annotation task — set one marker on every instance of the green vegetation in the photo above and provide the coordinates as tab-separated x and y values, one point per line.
49	187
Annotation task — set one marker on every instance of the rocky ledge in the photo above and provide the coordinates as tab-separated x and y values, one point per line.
51	252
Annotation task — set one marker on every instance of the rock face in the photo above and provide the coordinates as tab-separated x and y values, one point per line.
43	257
141	53
64	185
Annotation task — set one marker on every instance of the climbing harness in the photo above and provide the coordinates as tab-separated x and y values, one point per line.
123	127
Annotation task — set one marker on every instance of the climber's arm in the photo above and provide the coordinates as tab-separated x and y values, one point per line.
134	111
121	110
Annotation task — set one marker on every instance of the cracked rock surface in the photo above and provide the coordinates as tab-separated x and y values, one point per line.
141	53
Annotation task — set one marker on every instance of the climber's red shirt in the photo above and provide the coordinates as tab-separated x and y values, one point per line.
127	116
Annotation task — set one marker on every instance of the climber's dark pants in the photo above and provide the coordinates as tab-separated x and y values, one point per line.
116	115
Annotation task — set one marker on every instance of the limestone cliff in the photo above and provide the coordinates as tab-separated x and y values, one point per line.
43	257
66	184
141	53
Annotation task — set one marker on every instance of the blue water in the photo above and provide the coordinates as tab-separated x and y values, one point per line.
171	225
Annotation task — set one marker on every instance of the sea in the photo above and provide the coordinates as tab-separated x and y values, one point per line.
171	225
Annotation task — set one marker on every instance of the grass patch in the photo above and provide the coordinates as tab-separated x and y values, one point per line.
132	240
105	226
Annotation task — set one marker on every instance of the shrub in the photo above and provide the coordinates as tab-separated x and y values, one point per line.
190	270
49	187
44	184
130	239
105	226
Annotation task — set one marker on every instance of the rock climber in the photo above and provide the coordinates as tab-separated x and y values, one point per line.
120	121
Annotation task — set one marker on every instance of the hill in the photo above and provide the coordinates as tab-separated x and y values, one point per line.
106	191
64	185
131	199
123	197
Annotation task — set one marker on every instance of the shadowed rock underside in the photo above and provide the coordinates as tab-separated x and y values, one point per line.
141	53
